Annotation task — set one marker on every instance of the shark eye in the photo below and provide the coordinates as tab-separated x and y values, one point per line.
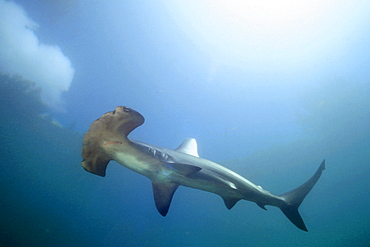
126	109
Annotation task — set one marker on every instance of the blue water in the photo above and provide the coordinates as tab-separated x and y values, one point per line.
271	114
49	200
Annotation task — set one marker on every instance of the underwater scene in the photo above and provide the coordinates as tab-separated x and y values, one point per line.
276	91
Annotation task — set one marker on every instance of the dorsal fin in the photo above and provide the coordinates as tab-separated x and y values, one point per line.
189	146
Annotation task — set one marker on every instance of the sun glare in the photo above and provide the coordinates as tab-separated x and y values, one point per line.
264	15
258	31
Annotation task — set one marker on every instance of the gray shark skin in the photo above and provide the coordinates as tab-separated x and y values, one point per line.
168	169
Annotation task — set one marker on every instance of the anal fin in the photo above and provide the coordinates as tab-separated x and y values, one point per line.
163	193
261	206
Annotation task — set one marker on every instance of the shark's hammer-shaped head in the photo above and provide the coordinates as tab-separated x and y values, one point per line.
113	126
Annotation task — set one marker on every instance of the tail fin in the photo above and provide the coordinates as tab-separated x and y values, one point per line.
295	197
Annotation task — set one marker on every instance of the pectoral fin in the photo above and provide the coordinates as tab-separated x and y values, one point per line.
183	169
163	193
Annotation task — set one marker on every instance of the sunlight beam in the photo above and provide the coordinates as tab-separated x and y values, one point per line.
264	32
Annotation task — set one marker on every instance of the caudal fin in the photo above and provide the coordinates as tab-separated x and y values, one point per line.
295	197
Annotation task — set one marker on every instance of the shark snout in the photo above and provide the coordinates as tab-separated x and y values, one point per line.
124	119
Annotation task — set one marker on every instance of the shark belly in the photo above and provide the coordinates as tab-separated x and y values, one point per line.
222	181
212	177
230	189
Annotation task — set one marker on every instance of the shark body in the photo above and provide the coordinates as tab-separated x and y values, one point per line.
168	169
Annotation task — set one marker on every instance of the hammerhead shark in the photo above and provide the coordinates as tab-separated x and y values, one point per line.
107	140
